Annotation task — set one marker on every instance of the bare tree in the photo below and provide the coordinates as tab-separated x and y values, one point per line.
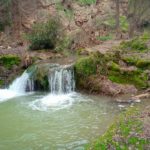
138	11
117	3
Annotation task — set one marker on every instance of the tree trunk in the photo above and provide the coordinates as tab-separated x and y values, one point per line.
117	18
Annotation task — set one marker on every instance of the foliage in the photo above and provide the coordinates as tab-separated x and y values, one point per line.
136	44
108	65
138	62
86	66
135	77
105	38
9	61
145	36
68	12
111	23
130	60
143	64
114	66
45	35
1	82
64	44
86	2
124	133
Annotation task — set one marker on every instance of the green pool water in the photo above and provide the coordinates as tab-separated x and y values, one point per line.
40	122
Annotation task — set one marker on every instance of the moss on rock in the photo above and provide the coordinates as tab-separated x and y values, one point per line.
137	78
106	65
143	64
138	62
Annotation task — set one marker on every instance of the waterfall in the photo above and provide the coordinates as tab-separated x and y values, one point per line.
61	80
17	88
19	85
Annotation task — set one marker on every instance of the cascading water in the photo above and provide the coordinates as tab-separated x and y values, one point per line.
17	88
62	86
19	85
61	80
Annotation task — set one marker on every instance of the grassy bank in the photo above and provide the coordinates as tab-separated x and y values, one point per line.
128	132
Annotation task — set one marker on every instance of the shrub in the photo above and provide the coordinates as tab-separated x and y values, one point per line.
105	38
44	35
9	60
87	2
135	44
111	23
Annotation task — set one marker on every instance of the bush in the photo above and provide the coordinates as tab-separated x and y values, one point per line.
135	44
9	61
111	23
87	2
105	38
44	35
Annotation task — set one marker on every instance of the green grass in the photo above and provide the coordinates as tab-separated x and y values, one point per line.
105	38
86	2
135	77
136	44
124	133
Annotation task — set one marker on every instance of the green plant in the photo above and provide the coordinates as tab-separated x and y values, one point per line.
63	44
85	66
135	44
44	35
124	133
111	23
9	60
87	2
105	38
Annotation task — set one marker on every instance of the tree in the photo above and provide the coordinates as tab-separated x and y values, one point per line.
117	2
138	14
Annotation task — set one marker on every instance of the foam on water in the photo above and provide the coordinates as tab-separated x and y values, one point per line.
53	101
17	88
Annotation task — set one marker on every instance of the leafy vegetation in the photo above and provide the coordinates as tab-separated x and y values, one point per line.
108	65
9	61
87	2
105	38
125	133
136	44
135	77
45	35
111	23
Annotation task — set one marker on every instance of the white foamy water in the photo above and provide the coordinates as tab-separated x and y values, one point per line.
54	102
62	85
17	88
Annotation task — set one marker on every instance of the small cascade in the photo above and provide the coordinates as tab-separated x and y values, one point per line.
61	80
17	88
19	85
